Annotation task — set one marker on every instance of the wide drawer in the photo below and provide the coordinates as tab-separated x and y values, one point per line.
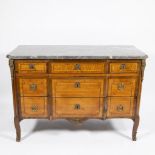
124	67
33	87
77	87
78	107
34	106
78	67
31	67
122	87
120	107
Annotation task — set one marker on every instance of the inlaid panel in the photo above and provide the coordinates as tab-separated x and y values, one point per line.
34	106
122	86
124	67
77	67
78	107
33	87
78	87
31	67
120	107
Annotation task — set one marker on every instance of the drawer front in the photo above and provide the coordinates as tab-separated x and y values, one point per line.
77	88
31	67
33	87
120	107
34	106
77	67
124	67
78	107
121	87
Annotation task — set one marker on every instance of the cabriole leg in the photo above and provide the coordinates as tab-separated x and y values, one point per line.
135	127
17	127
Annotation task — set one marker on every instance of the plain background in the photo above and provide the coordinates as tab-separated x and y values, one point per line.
77	22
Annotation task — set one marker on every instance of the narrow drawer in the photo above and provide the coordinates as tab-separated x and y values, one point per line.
77	87
78	107
122	87
124	67
33	87
78	67
31	67
120	107
34	106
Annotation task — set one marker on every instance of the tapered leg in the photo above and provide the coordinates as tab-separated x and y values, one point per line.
135	127
17	127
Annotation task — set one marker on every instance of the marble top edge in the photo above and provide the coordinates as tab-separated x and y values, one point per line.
76	57
76	52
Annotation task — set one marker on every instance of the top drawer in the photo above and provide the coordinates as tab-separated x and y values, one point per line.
77	67
124	67
31	67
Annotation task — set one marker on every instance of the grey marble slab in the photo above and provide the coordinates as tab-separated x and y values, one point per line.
76	52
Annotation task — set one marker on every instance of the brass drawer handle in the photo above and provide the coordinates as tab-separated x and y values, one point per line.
77	106
34	108
77	85
33	87
120	108
77	67
31	66
123	66
121	86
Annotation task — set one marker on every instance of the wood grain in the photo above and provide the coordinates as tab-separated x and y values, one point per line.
34	106
33	87
77	67
120	107
122	86
124	67
77	87
31	67
88	107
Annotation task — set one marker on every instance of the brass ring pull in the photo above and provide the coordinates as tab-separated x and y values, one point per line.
123	66
77	67
33	87
31	66
77	85
34	108
120	108
121	86
77	106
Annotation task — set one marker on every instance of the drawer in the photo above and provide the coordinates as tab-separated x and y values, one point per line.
78	107
33	87
31	67
124	67
120	107
34	106
122	87
77	87
78	67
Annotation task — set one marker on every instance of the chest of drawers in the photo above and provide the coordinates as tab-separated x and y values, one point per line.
76	83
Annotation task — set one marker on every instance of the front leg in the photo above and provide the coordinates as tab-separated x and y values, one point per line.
18	130
135	127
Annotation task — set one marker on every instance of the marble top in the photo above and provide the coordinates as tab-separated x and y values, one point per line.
76	52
